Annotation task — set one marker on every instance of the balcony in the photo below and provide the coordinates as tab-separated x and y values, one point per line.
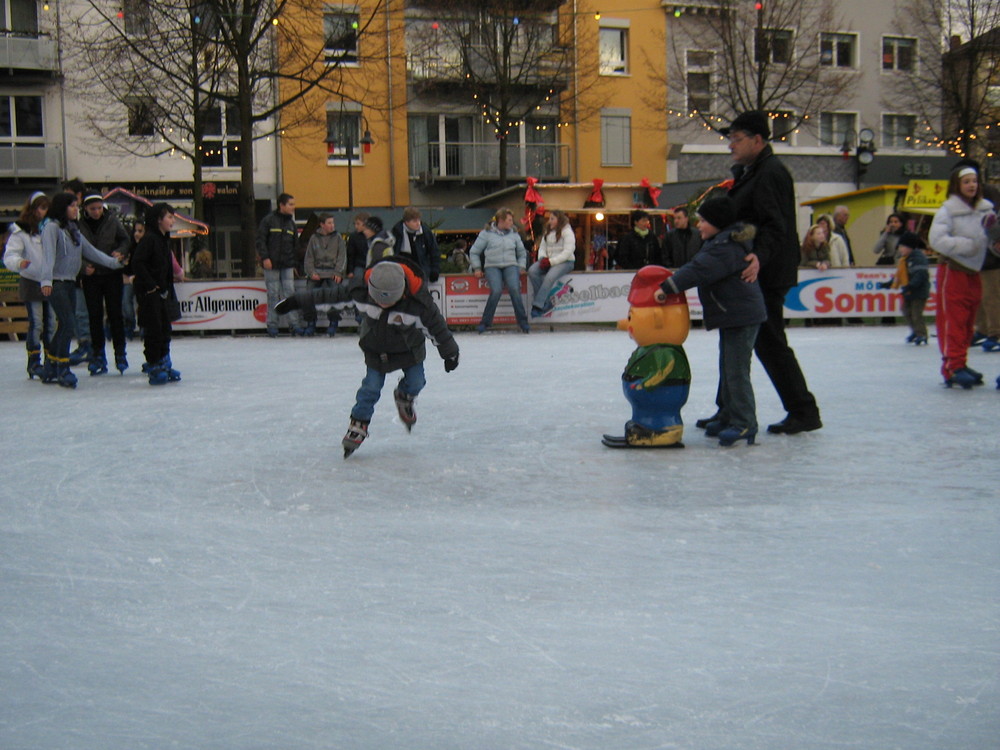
28	52
461	162
24	162
445	66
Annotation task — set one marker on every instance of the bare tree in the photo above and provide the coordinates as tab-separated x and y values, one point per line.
945	76
511	57
769	58
259	58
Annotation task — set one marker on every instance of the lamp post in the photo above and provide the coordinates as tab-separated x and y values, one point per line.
347	136
864	152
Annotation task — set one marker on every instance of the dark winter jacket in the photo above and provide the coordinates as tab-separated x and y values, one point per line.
391	338
357	251
634	252
680	246
764	195
106	234
151	264
726	300
380	246
422	246
918	283
276	240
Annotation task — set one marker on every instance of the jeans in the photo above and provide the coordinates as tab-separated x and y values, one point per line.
498	278
542	283
371	389
41	325
280	283
128	308
737	406
81	321
63	303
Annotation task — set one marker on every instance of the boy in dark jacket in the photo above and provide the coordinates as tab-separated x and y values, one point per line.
397	313
730	304
913	280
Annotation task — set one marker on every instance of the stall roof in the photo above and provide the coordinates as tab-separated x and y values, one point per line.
852	194
186	225
618	196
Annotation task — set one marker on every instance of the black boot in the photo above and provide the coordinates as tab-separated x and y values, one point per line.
34	364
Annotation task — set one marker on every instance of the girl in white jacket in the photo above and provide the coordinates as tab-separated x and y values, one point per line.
958	235
556	256
23	255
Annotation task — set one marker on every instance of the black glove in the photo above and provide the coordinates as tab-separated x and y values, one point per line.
287	305
432	276
451	363
884	285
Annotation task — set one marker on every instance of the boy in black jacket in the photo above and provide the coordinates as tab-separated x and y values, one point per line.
397	313
730	304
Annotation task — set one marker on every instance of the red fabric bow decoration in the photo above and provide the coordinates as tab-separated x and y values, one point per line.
653	192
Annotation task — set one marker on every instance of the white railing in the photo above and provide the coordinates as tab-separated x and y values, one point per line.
470	161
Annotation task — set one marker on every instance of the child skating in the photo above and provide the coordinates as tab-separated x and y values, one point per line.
397	314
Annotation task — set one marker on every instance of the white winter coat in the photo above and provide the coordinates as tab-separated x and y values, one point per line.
957	232
839	257
24	246
561	249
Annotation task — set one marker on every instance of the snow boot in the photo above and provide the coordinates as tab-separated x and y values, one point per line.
121	363
173	375
34	363
355	436
911	338
157	375
98	364
715	428
65	376
79	355
920	341
404	405
991	344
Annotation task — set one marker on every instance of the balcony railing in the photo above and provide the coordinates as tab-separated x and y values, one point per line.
27	52
30	161
452	160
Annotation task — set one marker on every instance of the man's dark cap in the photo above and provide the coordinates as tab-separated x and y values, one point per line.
753	122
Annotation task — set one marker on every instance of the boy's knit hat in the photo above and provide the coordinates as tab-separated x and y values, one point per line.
719	212
912	240
386	282
374	223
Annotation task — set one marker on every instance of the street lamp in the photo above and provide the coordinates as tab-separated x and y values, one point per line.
347	134
864	152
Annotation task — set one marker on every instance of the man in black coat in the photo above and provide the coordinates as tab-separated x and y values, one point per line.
764	195
417	241
277	237
681	243
639	247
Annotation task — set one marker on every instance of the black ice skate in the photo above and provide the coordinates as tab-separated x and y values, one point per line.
356	434
404	405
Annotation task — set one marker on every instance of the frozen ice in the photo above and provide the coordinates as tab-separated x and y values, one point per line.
197	566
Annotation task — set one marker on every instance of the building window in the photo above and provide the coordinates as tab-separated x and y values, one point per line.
773	46
838	50
699	80
20	16
783	125
898	131
616	138
137	17
340	30
141	120
613	52
837	128
899	53
343	135
221	137
20	118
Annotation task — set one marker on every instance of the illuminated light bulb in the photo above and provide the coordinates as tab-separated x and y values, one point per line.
599	216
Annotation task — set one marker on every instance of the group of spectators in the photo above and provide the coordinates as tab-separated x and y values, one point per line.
81	273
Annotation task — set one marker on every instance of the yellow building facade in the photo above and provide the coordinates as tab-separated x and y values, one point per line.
404	119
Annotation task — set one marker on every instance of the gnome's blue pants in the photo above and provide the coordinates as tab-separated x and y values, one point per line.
658	408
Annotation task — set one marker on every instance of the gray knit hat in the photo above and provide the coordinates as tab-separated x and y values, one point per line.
386	283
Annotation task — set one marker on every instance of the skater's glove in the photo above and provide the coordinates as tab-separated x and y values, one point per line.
451	363
286	305
885	285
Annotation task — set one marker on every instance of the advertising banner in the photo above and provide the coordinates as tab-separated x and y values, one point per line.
584	297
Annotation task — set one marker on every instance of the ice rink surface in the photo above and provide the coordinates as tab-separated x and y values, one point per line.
196	566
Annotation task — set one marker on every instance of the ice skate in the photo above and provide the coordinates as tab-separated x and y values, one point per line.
356	434
404	405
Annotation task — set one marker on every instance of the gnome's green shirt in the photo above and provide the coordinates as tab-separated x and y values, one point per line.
657	365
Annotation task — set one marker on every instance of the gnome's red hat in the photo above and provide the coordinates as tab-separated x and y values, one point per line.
647	280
